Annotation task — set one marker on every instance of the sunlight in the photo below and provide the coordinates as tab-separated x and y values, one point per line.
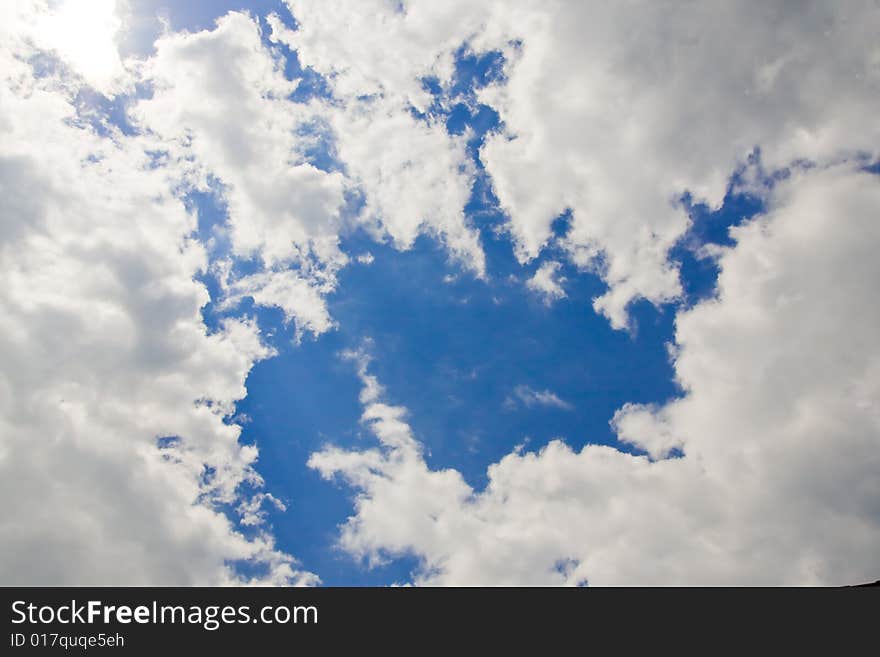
83	33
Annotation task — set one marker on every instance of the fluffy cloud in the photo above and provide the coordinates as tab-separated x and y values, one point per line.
614	111
299	298
384	48
104	353
220	108
415	176
618	109
220	98
547	282
779	428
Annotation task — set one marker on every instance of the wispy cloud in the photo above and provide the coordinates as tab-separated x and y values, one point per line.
524	395
548	283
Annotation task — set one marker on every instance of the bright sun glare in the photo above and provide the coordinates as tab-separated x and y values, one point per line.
83	33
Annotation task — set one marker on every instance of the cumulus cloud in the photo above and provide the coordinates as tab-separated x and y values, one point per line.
415	176
547	282
220	110
300	298
618	110
105	353
610	111
779	429
530	397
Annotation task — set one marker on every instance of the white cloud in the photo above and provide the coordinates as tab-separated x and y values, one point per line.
530	397
104	351
618	110
252	512
81	33
221	98
299	298
547	282
220	108
611	111
416	177
779	427
384	48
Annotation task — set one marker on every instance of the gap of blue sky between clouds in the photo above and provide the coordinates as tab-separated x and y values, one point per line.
452	349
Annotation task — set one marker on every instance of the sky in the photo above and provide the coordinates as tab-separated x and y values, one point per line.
466	293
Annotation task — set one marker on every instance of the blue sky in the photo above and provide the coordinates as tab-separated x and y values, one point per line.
452	353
